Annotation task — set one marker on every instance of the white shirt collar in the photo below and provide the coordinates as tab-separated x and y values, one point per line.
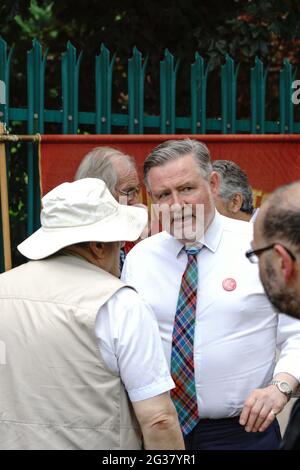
213	234
210	240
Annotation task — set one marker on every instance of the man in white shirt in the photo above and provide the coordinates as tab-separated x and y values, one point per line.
77	339
236	329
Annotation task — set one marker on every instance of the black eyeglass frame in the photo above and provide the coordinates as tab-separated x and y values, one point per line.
250	253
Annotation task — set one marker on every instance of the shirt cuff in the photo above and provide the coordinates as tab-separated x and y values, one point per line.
152	390
286	366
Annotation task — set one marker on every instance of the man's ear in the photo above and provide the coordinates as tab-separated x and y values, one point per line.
235	203
214	181
286	264
97	249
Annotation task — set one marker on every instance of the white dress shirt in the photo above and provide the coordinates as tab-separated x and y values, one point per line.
236	330
130	345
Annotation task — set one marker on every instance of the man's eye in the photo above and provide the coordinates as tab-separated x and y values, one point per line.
163	195
186	189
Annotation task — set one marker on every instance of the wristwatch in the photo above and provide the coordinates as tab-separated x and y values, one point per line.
283	387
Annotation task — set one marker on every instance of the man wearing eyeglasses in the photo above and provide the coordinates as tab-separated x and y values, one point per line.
119	173
218	328
276	247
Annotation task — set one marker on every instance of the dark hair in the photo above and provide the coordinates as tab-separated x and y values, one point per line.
234	180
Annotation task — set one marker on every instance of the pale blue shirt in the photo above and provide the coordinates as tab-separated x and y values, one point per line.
236	330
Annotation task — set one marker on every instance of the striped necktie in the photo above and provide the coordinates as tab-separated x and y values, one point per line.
182	357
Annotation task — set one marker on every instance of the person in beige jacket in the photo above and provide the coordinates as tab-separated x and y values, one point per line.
82	364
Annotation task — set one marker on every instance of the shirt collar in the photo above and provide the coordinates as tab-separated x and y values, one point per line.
213	234
210	240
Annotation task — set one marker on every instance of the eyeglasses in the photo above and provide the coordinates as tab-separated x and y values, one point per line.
131	193
253	255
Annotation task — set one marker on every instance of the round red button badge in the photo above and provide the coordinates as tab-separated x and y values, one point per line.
229	284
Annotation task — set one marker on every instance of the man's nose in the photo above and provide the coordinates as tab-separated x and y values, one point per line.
177	199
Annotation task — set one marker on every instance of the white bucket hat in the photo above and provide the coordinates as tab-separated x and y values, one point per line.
82	211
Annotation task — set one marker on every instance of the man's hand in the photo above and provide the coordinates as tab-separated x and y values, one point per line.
261	408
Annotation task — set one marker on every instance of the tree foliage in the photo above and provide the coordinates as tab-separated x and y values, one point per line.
269	29
242	28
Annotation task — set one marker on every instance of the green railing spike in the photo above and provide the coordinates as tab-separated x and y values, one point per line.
168	75
136	78
286	105
5	62
258	80
103	79
36	63
228	95
70	85
199	75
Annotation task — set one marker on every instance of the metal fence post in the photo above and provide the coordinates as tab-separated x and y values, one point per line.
36	63
168	75
258	80
70	79
103	78
5	61
229	86
136	76
287	76
198	95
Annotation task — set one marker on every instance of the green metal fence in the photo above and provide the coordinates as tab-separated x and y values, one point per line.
136	120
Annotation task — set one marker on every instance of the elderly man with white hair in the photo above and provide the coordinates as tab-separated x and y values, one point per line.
119	172
276	248
78	341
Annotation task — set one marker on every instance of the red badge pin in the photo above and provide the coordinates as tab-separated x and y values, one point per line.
229	284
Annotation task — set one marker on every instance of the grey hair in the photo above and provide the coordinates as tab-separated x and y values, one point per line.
282	216
234	180
174	149
98	164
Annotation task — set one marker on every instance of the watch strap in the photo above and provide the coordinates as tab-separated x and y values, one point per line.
279	383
